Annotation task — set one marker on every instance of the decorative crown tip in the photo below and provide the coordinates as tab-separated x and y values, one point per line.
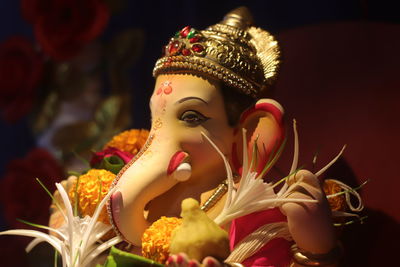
239	18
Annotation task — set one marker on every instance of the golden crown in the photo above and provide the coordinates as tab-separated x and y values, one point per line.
233	51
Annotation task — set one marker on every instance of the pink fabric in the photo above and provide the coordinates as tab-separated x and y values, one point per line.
276	253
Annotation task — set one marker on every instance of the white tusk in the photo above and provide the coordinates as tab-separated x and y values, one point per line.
183	172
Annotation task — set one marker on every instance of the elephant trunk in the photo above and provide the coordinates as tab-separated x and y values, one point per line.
151	175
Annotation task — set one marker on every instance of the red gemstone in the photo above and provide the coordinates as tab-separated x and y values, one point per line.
185	31
174	48
197	48
186	52
194	39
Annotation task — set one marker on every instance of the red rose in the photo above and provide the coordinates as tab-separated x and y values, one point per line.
108	152
62	27
21	196
111	159
21	69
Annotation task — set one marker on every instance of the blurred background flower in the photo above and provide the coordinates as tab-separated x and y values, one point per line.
21	197
63	27
69	83
21	70
64	92
29	202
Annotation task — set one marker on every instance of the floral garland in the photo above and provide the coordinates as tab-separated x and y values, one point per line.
80	230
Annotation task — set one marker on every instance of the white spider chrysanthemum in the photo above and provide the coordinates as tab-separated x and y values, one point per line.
253	194
78	239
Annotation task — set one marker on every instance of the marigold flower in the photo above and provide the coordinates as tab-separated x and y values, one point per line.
337	203
130	141
157	238
92	188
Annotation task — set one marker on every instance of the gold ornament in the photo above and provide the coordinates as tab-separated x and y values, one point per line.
218	193
242	56
305	258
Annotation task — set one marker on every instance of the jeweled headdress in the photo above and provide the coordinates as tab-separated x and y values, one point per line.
233	51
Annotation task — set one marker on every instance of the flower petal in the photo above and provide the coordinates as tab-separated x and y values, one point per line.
52	240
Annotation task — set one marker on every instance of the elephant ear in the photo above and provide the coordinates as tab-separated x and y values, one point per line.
264	125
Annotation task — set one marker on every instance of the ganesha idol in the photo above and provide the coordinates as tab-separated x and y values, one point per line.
210	95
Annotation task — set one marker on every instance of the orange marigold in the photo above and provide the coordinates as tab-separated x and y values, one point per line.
92	188
157	238
337	202
130	141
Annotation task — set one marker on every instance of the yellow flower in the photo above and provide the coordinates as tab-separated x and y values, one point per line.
157	238
92	188
129	141
337	203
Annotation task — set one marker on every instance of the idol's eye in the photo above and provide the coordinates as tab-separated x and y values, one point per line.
193	118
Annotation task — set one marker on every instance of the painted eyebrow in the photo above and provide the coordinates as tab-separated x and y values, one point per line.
190	98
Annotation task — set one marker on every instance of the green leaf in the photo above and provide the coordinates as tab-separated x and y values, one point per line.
50	194
33	224
360	219
287	177
55	257
76	196
254	158
272	161
110	262
82	159
124	259
113	164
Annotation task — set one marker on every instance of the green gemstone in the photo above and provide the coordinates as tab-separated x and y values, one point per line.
191	33
177	34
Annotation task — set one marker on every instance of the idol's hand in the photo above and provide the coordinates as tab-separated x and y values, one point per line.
182	260
309	223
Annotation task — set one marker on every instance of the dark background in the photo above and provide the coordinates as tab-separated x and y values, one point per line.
340	79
